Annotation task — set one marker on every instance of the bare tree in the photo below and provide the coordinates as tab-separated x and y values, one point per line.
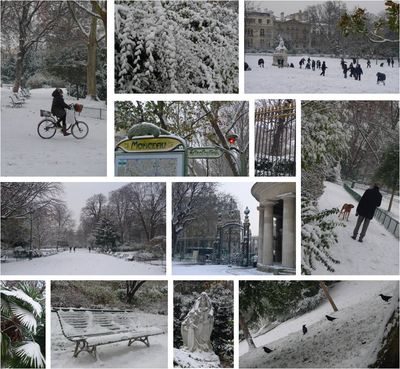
28	22
131	288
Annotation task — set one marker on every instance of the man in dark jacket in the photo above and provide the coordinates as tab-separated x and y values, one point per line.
365	211
58	109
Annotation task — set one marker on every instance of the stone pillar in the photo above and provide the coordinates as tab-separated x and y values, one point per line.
268	239
260	233
289	232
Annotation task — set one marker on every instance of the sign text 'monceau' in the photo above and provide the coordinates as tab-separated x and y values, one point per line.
149	144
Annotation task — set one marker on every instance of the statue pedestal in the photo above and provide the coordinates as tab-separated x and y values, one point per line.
197	359
280	55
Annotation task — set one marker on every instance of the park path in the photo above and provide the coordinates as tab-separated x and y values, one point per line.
79	262
377	254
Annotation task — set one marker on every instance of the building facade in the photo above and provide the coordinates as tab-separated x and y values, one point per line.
262	31
277	226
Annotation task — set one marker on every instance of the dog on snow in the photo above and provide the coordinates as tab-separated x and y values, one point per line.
345	212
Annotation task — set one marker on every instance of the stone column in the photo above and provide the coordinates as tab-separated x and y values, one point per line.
289	232
268	240
260	233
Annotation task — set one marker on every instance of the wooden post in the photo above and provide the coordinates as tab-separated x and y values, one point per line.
328	296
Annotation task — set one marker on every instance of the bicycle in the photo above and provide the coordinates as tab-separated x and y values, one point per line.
47	127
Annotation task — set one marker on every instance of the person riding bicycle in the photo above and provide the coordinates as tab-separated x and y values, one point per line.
58	109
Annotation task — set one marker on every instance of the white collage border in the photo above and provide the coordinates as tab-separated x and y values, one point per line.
112	97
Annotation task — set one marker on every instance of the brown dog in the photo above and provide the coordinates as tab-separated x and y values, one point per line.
345	212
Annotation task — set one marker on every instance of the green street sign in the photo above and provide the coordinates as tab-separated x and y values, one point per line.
203	153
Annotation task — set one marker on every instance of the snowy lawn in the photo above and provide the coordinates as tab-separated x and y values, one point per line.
289	80
80	262
211	269
348	342
377	254
24	153
115	355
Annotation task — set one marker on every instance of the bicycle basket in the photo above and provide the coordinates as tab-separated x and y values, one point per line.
45	113
78	107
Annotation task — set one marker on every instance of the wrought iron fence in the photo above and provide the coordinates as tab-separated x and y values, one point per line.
275	140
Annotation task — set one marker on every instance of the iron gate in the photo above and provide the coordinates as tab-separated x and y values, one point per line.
275	140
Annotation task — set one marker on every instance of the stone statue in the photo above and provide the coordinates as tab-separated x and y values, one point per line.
197	326
146	129
281	45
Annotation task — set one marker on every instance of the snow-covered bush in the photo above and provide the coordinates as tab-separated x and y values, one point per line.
40	80
324	140
176	47
22	325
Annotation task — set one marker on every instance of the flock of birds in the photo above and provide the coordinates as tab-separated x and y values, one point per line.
385	298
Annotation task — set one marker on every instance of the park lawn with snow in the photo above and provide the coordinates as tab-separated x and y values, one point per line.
80	262
350	341
212	269
24	153
115	355
377	254
289	80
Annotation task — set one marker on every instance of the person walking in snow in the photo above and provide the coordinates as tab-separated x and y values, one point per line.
368	63
323	68
318	64
365	211
358	72
345	70
313	65
351	69
58	109
388	61
392	61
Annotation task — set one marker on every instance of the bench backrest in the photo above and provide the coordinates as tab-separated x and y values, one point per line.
76	322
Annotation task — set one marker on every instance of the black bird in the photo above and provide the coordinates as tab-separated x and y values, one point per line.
385	298
304	329
267	350
330	318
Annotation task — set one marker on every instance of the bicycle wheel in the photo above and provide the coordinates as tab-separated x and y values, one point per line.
80	130
46	129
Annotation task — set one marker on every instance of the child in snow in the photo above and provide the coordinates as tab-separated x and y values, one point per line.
58	109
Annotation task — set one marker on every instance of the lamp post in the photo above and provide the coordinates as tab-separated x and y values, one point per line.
246	236
219	238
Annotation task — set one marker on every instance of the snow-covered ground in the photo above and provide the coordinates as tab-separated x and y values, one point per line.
24	153
80	262
289	80
115	355
211	269
348	342
377	254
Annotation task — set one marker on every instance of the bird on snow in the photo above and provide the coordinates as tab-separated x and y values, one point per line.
385	298
267	350
330	318
304	329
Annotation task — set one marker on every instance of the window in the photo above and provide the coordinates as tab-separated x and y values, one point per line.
259	21
268	21
262	32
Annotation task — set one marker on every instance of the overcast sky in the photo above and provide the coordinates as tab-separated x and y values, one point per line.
242	193
289	7
76	194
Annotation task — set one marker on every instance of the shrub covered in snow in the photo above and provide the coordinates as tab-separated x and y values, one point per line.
176	47
40	80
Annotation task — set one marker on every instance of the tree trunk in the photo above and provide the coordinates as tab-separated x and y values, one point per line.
246	332
19	65
391	199
131	289
91	61
328	296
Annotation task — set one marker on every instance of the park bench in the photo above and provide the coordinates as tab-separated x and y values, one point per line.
15	103
19	98
89	328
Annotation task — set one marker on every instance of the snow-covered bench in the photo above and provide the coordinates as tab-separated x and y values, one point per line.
15	103
91	328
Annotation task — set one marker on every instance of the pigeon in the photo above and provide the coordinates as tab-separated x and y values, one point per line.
267	350
385	298
304	329
330	318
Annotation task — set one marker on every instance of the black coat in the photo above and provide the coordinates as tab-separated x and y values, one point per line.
58	105
371	199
